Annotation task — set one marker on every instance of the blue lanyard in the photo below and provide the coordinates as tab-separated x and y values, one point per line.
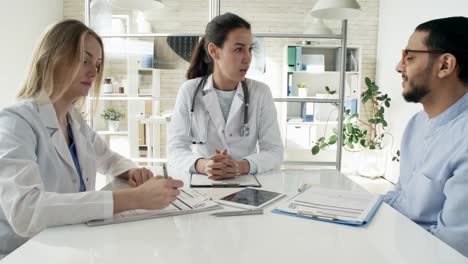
72	148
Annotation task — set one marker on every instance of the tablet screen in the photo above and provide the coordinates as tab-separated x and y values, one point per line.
249	196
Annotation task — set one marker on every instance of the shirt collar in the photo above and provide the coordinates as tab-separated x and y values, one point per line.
450	113
49	116
208	87
46	110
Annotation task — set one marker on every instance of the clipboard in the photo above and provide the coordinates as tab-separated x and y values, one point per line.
202	181
333	198
189	201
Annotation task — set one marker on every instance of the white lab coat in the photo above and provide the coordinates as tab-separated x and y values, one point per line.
39	184
263	145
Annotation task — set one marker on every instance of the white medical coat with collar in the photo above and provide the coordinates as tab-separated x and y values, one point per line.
263	145
39	184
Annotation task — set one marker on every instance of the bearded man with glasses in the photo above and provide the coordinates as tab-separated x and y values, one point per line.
433	186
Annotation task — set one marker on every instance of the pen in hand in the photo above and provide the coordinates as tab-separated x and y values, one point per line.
303	187
165	171
166	176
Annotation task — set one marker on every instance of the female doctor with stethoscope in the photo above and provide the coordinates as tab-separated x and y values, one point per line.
224	124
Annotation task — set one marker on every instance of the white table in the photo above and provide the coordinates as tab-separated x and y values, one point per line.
270	238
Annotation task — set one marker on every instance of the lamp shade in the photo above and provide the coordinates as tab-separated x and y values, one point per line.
137	4
314	25
336	9
158	4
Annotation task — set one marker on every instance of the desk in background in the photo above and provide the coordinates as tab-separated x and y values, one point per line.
270	238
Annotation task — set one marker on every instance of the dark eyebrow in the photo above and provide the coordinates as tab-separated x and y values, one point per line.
242	44
90	54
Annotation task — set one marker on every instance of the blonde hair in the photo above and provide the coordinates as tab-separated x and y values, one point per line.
62	45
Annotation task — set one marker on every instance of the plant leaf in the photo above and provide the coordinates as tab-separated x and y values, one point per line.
368	82
315	150
349	128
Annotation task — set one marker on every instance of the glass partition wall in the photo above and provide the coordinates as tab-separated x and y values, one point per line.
148	45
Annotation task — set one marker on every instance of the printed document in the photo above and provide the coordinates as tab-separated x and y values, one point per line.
336	205
188	201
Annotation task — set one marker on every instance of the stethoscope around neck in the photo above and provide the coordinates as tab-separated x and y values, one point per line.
244	130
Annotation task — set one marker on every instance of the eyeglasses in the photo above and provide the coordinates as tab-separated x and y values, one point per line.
404	53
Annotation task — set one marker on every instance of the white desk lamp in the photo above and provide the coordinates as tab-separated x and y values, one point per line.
336	9
138	4
316	26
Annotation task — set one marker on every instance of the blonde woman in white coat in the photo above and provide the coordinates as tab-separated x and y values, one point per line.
223	124
49	156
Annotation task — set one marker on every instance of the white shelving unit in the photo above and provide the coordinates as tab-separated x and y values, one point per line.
112	132
122	98
139	138
300	137
304	119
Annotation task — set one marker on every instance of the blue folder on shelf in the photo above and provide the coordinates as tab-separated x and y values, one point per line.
331	205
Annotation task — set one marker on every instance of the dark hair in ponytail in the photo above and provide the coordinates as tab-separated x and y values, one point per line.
216	32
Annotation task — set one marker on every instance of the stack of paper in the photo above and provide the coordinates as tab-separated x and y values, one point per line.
345	207
188	201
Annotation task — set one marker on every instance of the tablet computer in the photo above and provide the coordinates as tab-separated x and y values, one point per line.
250	198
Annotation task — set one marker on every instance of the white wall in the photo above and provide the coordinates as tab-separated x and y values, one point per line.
398	18
21	24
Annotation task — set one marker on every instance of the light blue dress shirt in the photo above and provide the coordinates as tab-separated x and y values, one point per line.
225	101
433	186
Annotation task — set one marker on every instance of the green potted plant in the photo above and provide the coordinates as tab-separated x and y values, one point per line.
364	136
302	89
113	118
